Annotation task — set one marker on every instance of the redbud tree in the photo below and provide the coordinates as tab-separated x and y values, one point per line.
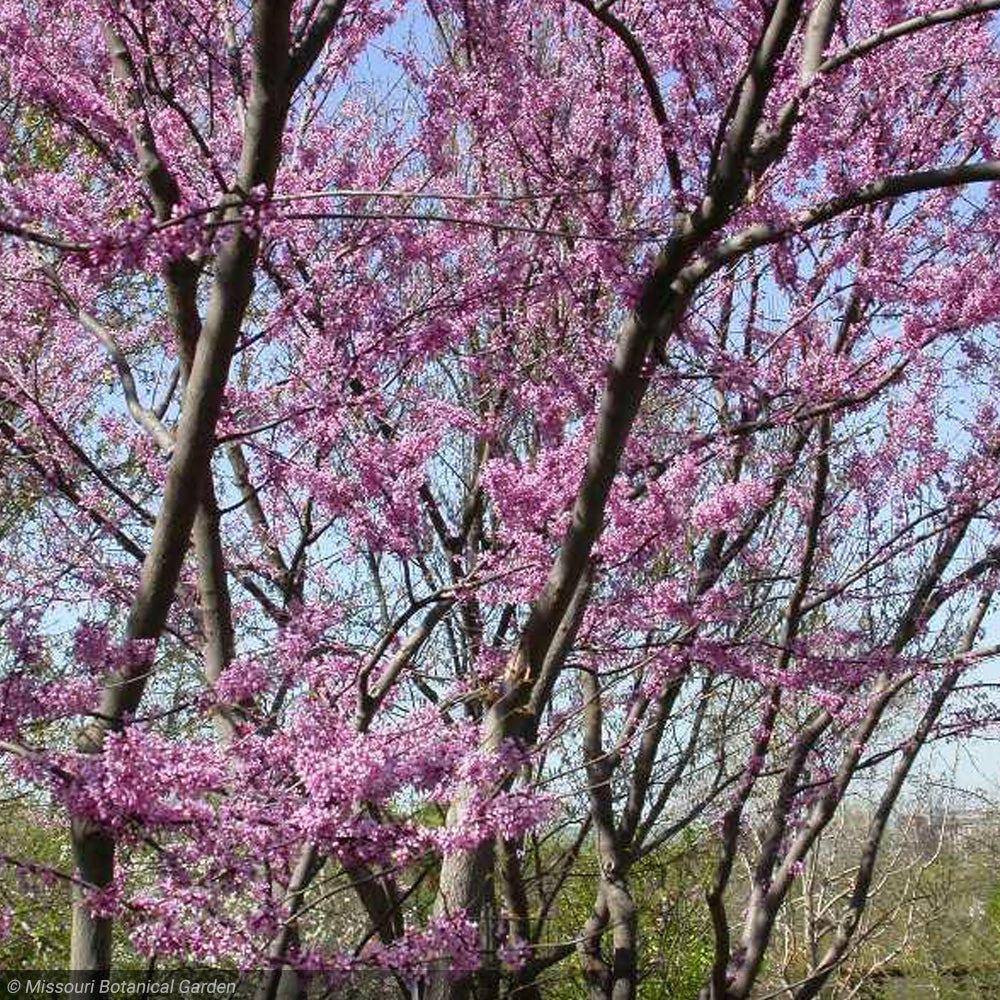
446	443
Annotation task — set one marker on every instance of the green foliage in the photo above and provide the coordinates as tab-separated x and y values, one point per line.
39	900
993	919
951	950
35	886
674	932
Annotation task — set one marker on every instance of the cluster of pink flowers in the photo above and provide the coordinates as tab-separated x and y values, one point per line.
144	781
729	505
448	941
95	649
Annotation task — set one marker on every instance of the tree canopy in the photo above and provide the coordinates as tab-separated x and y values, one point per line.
455	449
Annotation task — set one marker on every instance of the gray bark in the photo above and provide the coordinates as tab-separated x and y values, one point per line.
94	849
